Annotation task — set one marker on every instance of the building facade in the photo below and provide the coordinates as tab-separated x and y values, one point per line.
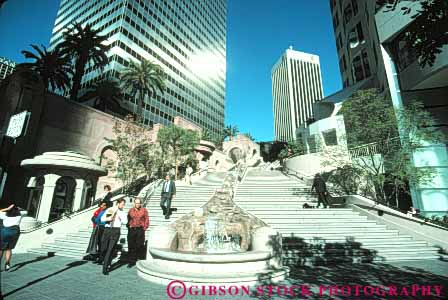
357	43
187	38
408	82
6	67
296	85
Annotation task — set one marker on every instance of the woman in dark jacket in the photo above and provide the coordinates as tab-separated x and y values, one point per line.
97	233
9	232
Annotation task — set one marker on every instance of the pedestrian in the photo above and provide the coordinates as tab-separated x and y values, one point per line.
168	192
138	223
188	173
321	190
94	247
9	232
108	196
114	218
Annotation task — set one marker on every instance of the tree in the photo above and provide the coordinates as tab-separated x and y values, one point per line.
85	46
230	131
131	144
428	33
53	67
177	143
375	148
142	80
106	95
293	147
206	135
249	136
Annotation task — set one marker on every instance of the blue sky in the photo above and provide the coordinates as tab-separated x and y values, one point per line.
258	32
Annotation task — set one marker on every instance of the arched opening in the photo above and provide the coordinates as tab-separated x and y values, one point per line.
236	154
63	196
36	185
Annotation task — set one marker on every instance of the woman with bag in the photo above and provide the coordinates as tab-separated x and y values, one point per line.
9	232
97	233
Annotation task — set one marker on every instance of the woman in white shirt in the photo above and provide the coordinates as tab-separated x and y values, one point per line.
9	232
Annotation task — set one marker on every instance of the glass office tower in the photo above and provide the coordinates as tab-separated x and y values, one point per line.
186	37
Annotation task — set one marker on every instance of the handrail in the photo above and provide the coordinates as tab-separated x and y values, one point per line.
150	191
93	206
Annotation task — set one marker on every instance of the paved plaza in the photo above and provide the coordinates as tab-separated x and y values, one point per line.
40	277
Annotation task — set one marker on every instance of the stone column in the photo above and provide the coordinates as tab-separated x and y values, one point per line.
47	197
79	194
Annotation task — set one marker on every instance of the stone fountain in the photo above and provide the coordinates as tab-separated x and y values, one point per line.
218	243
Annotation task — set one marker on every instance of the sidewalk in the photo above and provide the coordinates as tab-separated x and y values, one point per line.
35	277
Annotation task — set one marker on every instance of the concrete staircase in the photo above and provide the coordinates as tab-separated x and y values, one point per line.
188	198
319	236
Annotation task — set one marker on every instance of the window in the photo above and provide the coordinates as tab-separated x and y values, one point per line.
348	13
343	63
360	33
339	41
355	7
365	62
358	72
361	66
330	137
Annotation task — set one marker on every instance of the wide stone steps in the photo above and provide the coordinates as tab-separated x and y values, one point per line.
316	236
187	199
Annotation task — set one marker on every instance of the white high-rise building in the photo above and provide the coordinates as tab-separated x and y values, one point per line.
296	85
187	38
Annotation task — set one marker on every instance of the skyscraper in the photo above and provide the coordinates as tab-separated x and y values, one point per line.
187	38
357	43
296	85
6	67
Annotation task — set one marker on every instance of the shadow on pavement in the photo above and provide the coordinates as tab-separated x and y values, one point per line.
22	264
69	266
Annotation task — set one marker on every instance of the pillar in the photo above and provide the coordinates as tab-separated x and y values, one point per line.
79	194
47	197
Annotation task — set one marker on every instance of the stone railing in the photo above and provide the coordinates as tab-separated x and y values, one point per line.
434	234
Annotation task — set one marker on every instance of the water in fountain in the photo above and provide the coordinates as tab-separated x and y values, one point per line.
215	238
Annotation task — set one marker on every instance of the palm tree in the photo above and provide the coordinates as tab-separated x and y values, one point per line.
84	45
206	135
106	95
143	79
250	136
54	68
230	131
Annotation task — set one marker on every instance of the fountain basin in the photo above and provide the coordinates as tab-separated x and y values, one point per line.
211	258
218	244
262	263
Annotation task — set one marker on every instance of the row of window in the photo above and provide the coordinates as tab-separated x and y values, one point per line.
179	85
186	16
159	32
351	10
182	99
148	23
157	111
141	44
80	13
361	67
175	70
167	17
97	20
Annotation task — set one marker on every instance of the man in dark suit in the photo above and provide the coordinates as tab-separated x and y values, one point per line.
168	192
321	190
